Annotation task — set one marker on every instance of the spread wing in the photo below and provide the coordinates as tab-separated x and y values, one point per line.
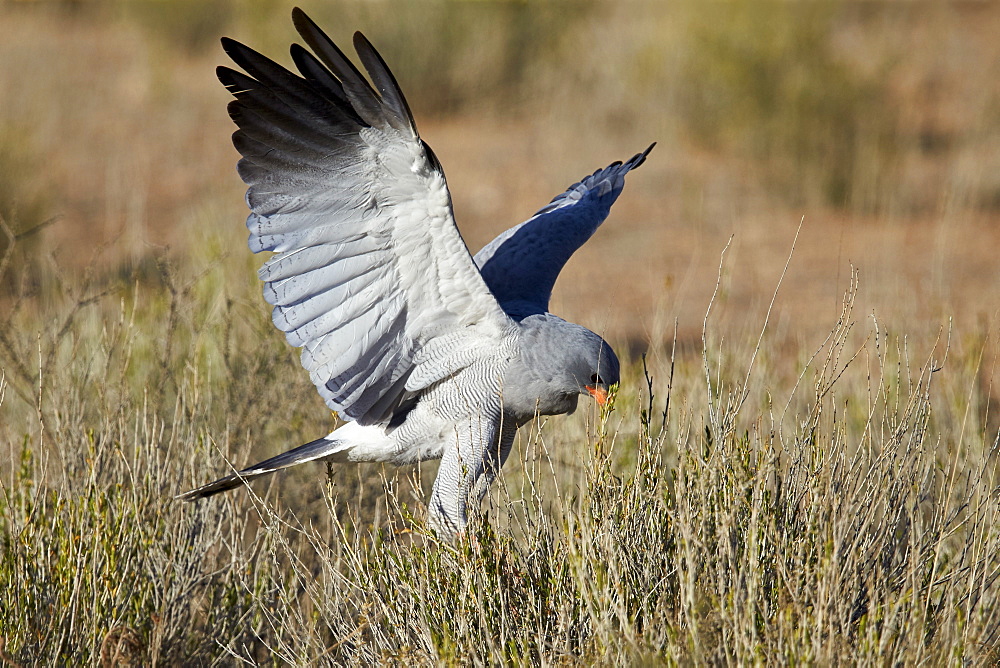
521	265
369	275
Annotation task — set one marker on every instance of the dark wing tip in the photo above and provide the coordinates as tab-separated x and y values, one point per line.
300	18
639	158
230	78
383	78
230	45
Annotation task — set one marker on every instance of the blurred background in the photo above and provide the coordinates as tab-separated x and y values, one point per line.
877	124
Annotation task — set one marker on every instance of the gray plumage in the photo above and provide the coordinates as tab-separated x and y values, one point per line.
521	265
425	351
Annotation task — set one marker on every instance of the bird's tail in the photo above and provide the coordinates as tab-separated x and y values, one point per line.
321	448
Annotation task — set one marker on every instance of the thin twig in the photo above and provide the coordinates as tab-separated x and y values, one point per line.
704	330
760	339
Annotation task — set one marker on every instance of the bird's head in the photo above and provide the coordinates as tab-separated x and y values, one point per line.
558	362
595	367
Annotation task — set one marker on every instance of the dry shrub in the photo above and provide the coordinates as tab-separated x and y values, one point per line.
713	516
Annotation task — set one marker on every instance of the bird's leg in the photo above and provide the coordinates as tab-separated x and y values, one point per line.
449	497
494	460
463	465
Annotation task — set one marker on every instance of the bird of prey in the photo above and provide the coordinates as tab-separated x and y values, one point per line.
424	351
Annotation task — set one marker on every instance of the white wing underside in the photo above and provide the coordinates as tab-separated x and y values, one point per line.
370	275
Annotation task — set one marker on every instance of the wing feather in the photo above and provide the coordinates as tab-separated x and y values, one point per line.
285	159
332	355
296	93
357	273
358	92
255	125
324	313
392	96
309	258
314	71
368	267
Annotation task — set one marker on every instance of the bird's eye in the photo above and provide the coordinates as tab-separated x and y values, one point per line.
596	380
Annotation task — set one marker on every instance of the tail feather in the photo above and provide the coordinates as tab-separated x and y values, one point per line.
312	451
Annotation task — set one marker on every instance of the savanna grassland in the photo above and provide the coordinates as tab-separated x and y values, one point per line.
801	462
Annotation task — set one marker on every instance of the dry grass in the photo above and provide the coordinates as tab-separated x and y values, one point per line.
825	493
716	515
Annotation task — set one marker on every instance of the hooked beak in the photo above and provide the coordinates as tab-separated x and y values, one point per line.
599	393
